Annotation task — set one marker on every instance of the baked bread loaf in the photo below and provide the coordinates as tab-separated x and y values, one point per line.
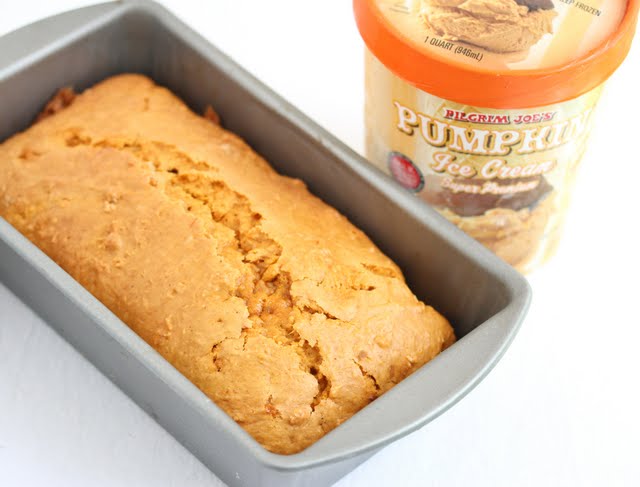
267	299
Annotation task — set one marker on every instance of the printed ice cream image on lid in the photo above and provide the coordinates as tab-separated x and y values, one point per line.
495	25
505	34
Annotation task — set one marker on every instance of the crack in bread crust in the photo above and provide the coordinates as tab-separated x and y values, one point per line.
191	182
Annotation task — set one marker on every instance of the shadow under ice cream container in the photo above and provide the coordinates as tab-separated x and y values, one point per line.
483	108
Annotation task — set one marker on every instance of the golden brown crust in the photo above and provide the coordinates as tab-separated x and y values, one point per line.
267	299
61	100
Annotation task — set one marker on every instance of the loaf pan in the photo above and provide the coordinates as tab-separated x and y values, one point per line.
483	297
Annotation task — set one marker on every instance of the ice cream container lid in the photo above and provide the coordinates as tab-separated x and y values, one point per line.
500	53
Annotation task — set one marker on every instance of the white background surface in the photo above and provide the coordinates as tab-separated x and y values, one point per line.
561	408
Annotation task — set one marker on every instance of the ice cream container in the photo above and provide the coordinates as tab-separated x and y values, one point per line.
483	108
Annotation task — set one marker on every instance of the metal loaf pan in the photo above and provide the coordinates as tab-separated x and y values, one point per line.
484	298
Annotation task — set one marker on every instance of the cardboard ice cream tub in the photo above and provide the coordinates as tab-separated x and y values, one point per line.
483	108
